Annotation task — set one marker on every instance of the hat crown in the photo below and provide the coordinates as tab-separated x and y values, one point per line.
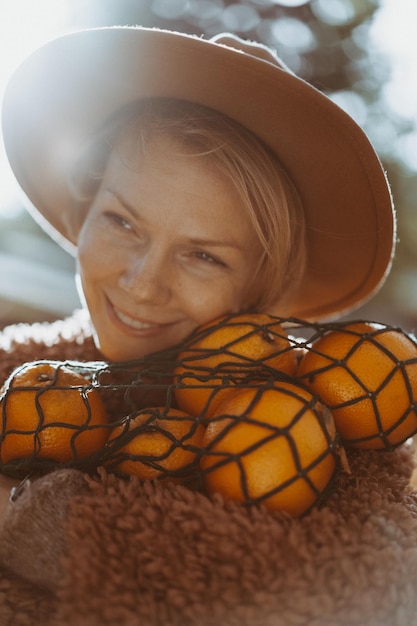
252	48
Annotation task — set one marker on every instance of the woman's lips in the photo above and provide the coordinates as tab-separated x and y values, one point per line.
132	325
132	322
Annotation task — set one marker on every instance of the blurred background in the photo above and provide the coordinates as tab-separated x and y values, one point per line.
362	53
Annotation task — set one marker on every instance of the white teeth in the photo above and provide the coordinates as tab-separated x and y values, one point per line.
129	321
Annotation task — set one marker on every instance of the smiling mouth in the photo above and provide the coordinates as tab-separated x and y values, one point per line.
132	322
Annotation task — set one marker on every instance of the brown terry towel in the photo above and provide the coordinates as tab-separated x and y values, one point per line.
102	551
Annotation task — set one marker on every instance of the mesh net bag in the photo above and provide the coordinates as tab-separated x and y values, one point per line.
366	373
234	408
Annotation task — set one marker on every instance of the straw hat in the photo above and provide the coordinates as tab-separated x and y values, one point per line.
67	89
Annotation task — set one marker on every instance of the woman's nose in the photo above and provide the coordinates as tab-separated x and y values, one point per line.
147	279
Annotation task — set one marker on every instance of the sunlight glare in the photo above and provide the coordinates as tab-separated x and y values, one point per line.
24	26
394	33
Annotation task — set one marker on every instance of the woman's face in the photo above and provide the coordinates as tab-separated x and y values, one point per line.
165	248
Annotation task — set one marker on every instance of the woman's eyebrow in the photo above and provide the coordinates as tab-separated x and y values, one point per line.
196	241
134	212
216	243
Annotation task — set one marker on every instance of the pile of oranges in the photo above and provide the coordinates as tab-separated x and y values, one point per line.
257	415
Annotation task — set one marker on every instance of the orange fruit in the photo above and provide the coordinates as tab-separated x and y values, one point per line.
366	374
156	443
50	412
225	353
276	446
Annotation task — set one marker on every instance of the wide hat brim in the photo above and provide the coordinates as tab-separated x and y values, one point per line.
67	89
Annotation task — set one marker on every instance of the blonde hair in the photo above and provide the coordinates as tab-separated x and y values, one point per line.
267	194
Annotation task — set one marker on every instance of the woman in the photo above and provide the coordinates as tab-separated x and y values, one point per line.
197	218
296	180
193	178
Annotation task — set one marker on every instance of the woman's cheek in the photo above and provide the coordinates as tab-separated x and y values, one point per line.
209	299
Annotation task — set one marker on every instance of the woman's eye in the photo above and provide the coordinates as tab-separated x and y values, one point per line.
119	221
208	258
